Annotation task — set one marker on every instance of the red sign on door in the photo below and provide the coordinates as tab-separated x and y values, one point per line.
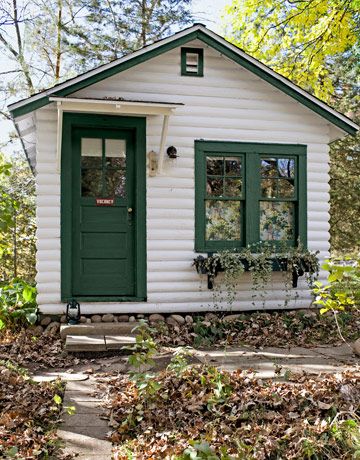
104	201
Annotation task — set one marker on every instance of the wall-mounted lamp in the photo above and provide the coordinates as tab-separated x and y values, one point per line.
172	152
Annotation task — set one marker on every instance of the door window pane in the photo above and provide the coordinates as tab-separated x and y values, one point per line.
91	147
91	153
115	154
91	182
116	182
91	164
223	220
276	220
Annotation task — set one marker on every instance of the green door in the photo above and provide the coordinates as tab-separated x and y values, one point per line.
103	213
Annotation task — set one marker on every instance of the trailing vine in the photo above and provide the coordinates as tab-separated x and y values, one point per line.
261	260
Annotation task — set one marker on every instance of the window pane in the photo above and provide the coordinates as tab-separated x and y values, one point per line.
233	187
278	167
276	220
222	220
214	186
286	167
91	147
233	166
285	188
115	153
214	166
268	188
91	152
91	157
192	62
91	182
269	167
115	182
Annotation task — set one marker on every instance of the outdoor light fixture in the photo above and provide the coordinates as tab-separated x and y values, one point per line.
172	152
73	312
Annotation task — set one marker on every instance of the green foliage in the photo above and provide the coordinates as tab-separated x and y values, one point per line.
15	368
203	451
345	158
207	332
8	207
220	384
179	362
141	358
342	292
17	304
297	39
112	29
317	45
17	221
57	399
260	260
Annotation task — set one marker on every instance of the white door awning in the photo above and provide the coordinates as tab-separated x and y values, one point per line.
114	106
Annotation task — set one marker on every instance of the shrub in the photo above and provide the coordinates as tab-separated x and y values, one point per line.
342	292
17	304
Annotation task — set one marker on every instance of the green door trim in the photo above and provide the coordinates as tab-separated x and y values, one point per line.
138	126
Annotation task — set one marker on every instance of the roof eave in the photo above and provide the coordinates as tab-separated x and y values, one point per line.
208	37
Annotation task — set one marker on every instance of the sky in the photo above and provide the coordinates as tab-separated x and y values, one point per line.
208	12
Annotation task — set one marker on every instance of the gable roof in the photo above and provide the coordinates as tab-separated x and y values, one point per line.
199	32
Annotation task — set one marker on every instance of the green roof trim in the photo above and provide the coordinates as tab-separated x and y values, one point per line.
30	107
278	84
220	44
34	105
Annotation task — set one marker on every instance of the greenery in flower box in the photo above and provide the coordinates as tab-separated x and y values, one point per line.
261	260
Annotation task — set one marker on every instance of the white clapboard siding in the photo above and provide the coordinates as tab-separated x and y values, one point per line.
228	104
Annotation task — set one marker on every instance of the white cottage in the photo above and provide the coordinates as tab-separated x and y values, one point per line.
119	221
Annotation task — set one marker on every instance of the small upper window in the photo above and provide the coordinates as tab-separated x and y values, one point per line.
192	62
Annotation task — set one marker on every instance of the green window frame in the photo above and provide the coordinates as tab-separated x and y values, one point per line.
268	177
192	62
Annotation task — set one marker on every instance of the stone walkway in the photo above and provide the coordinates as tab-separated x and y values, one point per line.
84	433
272	362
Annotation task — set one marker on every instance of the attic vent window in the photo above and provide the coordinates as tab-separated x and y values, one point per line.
192	62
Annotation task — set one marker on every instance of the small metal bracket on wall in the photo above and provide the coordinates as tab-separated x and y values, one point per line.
153	163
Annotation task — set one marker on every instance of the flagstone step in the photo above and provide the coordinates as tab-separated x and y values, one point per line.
112	329
92	343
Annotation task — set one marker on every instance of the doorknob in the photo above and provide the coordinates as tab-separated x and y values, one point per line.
130	210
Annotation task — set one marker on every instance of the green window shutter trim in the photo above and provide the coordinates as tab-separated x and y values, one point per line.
252	155
200	70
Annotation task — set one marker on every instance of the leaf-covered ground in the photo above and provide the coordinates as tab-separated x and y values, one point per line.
29	412
263	329
236	416
45	351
